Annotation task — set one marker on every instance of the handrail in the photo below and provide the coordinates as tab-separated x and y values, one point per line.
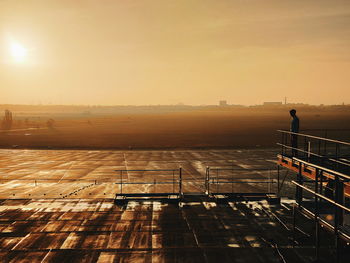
322	168
314	154
299	150
58	179
212	177
169	181
242	169
315	137
331	129
153	182
243	182
147	170
322	197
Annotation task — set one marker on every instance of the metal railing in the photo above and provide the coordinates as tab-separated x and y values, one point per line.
218	176
328	133
171	177
36	181
322	198
332	153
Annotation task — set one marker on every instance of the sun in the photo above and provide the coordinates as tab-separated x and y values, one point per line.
18	52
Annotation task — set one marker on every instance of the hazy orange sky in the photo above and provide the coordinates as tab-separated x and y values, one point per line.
170	51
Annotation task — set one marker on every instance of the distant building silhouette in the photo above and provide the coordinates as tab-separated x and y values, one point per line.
223	103
272	103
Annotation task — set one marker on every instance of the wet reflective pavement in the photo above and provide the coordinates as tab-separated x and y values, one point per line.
91	174
43	222
99	231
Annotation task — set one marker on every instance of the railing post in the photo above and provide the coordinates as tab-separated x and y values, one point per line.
232	180
173	181
317	238
268	183
321	182
278	180
337	215
121	182
294	222
207	179
217	180
319	147
299	191
180	182
336	155
339	198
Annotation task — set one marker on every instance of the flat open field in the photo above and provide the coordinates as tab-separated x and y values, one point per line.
200	128
91	174
56	206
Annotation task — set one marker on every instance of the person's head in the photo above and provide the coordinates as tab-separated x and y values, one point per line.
292	112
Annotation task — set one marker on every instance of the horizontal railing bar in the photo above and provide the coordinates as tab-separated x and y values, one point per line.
325	180
146	182
340	162
221	177
314	154
298	149
5	179
148	170
322	168
148	194
314	137
241	169
323	221
125	182
172	181
240	182
331	129
322	197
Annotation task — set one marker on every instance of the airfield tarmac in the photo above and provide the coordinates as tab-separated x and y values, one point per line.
28	174
57	206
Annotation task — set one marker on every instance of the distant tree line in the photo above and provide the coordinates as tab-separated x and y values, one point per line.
7	120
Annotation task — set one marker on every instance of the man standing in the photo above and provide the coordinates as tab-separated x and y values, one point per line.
294	127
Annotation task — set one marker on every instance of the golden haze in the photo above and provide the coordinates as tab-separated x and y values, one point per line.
166	52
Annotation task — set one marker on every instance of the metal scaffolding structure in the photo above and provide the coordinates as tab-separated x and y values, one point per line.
219	183
322	185
168	177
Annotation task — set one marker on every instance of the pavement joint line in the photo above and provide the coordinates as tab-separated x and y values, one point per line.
20	241
43	260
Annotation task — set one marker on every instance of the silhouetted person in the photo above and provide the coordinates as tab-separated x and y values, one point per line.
294	127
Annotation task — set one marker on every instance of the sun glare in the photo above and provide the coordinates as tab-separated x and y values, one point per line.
18	52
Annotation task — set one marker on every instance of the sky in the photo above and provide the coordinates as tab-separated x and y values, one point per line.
129	52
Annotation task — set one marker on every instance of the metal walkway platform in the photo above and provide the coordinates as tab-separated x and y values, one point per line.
322	182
